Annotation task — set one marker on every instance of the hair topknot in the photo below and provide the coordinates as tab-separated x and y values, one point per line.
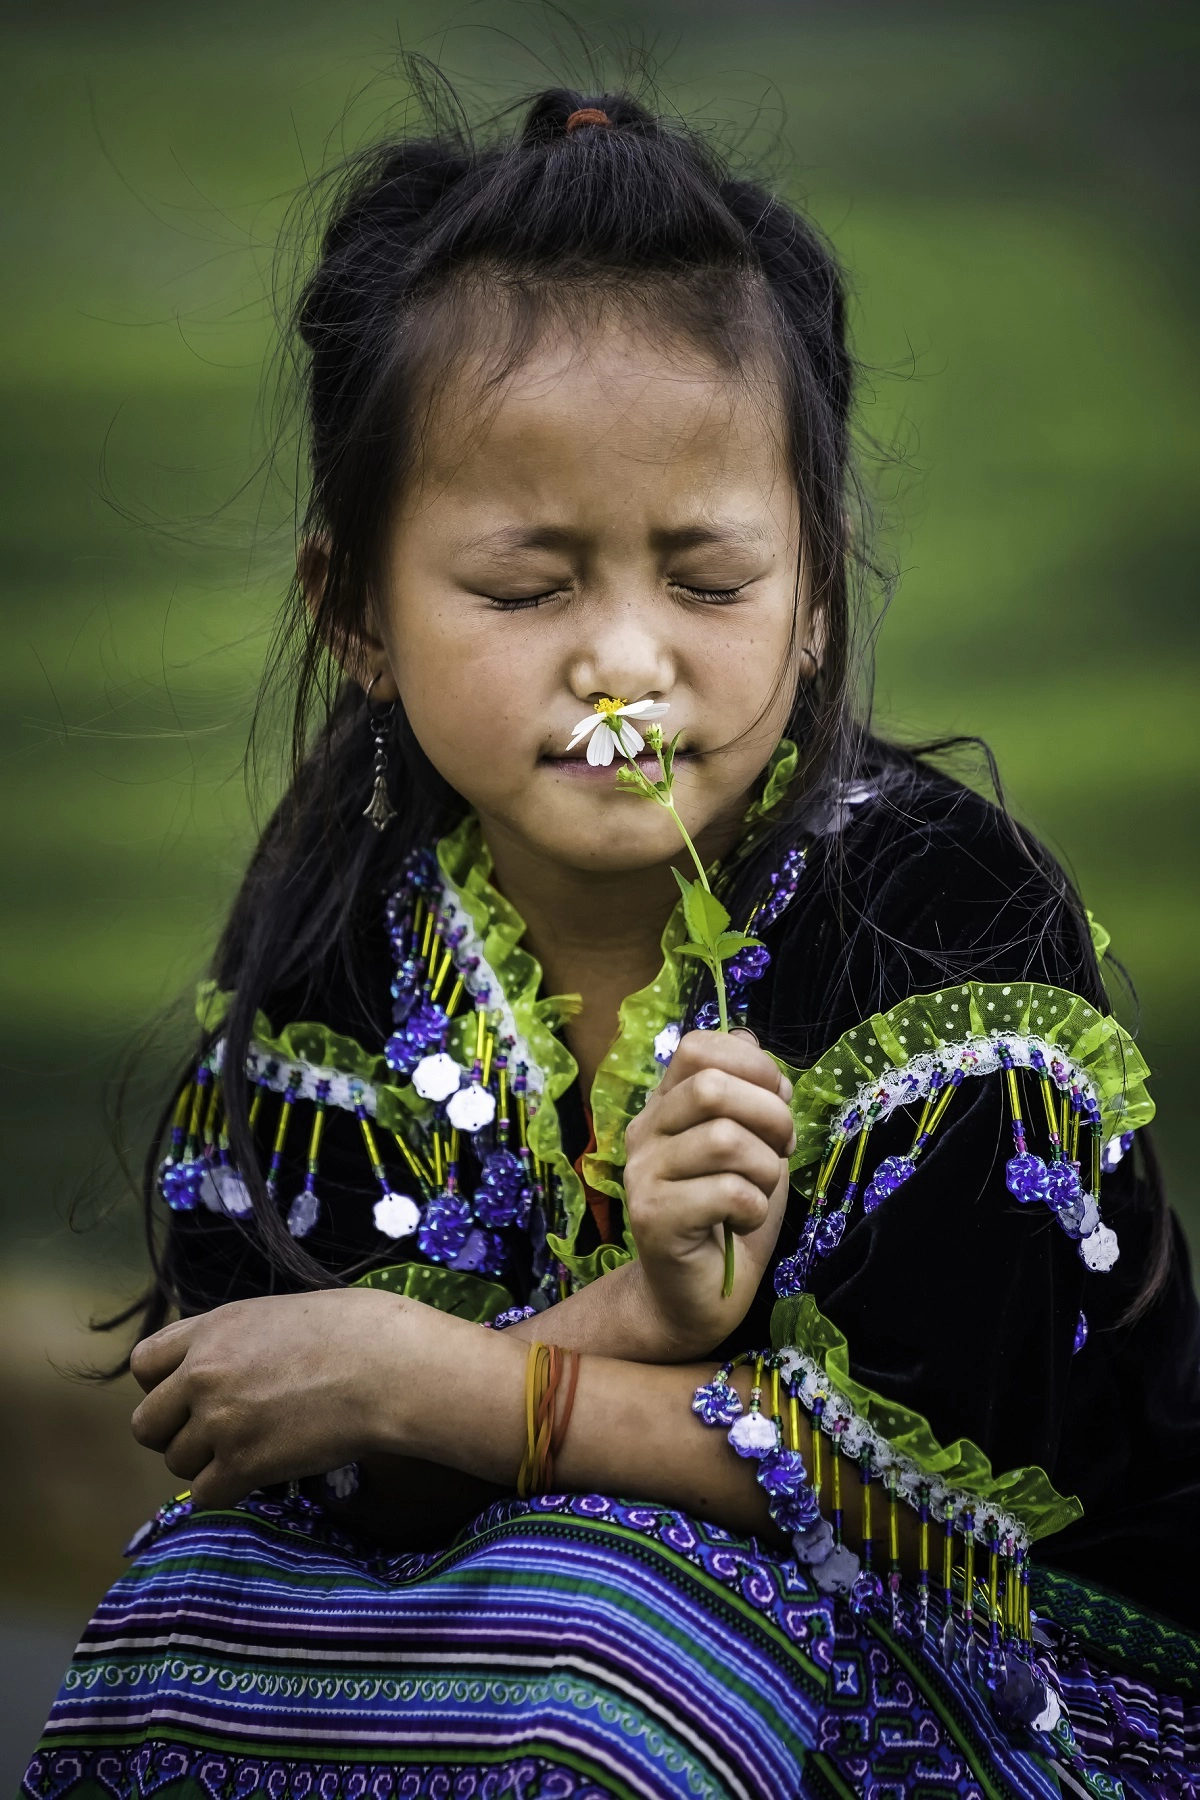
631	203
547	117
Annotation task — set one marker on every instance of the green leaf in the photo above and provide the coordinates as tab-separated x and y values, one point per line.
701	952
668	757
703	913
684	885
730	942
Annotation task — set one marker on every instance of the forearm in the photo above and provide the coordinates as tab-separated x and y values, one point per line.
632	1433
416	1501
616	1316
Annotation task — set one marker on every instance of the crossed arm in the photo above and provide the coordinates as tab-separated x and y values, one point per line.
289	1386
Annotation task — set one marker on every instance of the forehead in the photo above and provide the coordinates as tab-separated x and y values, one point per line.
606	402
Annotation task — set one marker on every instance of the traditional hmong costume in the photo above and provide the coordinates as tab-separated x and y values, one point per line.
967	1229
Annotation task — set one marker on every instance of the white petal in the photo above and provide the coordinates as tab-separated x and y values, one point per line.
645	709
630	742
600	750
584	727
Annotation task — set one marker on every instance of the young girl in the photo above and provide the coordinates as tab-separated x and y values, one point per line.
908	1504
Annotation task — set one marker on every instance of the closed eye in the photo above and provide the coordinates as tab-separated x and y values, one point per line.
712	596
521	602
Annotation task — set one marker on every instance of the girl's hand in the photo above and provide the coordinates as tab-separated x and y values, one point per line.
281	1387
711	1144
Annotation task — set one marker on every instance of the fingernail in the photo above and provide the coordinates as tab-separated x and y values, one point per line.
744	1031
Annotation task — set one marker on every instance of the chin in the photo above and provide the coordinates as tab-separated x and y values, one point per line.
607	841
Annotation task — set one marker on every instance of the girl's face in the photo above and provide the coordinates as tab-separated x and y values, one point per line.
617	522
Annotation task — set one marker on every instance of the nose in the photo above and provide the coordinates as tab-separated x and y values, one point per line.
621	654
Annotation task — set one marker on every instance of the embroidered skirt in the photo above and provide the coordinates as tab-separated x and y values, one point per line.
571	1648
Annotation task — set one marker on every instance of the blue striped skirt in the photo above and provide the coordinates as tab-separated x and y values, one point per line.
571	1648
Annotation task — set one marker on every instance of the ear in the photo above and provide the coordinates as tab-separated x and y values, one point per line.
362	655
812	629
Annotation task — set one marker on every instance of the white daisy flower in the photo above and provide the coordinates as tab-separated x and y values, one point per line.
621	738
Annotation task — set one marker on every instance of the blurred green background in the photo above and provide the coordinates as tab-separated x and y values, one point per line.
1014	191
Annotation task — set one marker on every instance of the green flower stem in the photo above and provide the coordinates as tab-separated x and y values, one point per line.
730	1264
718	973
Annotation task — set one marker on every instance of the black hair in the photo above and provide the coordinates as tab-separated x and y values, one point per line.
545	218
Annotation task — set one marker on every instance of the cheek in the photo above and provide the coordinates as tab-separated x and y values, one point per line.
743	662
472	692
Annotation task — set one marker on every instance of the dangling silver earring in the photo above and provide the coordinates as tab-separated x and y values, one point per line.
379	808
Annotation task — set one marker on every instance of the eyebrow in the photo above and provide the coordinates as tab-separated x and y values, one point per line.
514	538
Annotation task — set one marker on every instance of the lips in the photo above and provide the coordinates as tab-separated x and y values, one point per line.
576	767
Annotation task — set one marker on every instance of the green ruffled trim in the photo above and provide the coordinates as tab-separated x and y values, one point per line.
451	1291
927	1022
1025	1493
779	775
1100	935
324	1049
466	862
628	1073
625	1077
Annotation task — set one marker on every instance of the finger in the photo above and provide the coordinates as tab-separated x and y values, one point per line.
189	1451
156	1357
720	1147
163	1413
785	1088
699	1206
735	1051
716	1094
220	1484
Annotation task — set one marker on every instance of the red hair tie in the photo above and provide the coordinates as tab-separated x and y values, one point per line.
587	115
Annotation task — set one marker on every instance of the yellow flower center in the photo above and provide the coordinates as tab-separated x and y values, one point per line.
609	707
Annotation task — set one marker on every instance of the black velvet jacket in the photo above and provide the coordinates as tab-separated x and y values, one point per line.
956	1301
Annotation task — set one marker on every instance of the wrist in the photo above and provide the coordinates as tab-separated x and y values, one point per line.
390	1383
668	1332
448	1392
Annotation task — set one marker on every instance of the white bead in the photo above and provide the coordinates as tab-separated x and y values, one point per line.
397	1216
838	1573
471	1108
224	1191
752	1435
1048	1718
437	1077
1101	1250
344	1481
